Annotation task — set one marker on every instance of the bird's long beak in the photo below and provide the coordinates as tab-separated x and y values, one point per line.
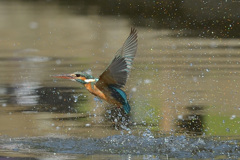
64	76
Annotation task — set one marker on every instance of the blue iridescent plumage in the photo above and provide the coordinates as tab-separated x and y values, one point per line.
121	96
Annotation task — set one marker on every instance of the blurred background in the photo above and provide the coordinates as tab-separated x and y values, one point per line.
185	78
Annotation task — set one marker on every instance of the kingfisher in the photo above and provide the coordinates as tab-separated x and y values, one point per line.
110	83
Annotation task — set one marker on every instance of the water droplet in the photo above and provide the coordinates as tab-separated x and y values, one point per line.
87	125
33	25
134	89
180	116
166	140
147	81
195	79
233	117
75	98
58	61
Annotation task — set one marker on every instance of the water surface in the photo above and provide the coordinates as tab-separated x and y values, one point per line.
183	90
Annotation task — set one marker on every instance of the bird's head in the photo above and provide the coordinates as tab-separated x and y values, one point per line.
81	77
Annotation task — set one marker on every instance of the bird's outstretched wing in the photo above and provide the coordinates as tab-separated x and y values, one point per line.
117	72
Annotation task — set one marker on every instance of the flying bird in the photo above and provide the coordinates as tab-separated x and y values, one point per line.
110	83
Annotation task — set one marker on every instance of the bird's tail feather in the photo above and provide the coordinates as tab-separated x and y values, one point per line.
122	97
126	108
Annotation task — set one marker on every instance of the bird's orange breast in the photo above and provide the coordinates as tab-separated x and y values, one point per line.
103	94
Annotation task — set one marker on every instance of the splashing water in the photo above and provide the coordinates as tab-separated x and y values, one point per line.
173	146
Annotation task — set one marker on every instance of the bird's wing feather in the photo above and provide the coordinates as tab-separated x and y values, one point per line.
117	72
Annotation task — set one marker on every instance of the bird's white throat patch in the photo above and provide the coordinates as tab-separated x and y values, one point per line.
90	80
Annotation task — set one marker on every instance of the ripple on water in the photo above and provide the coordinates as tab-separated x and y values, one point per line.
173	146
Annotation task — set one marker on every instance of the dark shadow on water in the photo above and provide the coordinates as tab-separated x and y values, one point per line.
173	15
60	99
17	158
193	122
44	99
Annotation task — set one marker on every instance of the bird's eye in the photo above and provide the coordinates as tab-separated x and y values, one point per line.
77	75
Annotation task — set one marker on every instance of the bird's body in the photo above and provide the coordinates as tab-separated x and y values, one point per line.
108	85
104	94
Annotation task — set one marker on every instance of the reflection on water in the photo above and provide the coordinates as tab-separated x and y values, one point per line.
26	93
42	98
178	86
193	122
